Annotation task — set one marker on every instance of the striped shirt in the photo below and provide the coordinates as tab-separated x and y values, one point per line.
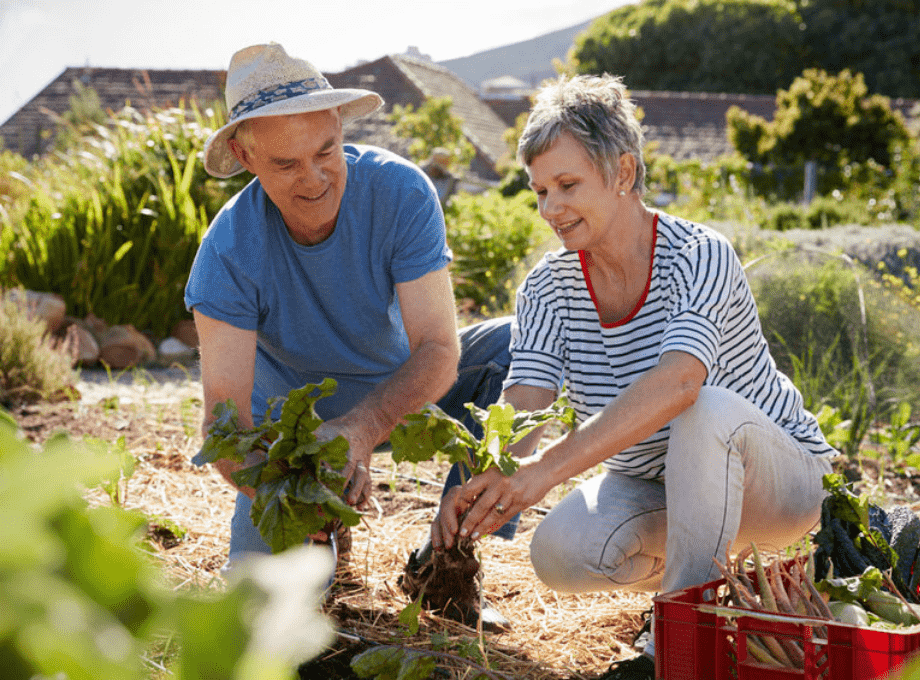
698	302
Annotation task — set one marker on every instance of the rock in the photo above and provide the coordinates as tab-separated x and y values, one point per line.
96	326
46	306
81	345
173	349
125	347
185	332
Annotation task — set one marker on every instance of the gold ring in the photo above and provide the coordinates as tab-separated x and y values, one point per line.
499	508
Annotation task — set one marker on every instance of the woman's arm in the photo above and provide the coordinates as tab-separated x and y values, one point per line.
642	409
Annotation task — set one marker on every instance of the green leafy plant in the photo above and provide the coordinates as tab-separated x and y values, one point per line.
113	222
113	486
900	436
299	486
393	663
843	504
491	237
398	662
431	431
432	126
446	580
80	599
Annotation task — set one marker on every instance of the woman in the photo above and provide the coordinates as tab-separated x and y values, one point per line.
648	322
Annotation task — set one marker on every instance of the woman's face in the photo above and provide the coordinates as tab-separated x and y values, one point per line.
572	195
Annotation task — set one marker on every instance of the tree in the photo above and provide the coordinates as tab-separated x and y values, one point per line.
824	118
432	126
878	38
755	46
747	46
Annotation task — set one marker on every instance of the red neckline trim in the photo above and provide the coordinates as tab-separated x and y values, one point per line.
582	257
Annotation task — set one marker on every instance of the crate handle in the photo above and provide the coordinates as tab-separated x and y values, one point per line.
734	613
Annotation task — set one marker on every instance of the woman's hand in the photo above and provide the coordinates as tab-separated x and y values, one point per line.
489	500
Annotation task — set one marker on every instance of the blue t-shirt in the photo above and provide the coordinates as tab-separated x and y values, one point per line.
328	310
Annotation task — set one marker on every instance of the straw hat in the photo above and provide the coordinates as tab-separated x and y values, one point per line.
264	81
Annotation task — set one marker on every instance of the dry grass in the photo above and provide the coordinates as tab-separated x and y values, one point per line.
554	635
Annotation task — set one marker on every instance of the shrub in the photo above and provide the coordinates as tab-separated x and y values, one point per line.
491	237
830	119
32	366
826	312
784	217
821	213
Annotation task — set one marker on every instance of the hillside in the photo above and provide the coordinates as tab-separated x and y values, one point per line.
529	60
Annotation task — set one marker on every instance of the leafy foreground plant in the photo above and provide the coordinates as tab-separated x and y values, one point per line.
79	599
299	486
447	580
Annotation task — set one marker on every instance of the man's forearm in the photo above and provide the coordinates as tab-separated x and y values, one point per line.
425	377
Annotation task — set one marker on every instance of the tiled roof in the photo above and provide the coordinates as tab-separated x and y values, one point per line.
686	125
682	124
29	130
402	79
375	129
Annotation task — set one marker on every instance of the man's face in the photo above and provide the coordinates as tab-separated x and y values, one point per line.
300	163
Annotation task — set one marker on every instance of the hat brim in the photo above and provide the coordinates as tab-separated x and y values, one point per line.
219	161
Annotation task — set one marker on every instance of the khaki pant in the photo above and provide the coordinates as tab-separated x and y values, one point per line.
732	477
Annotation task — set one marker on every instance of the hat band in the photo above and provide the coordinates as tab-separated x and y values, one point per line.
277	93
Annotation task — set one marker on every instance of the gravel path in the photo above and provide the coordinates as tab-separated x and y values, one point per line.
143	385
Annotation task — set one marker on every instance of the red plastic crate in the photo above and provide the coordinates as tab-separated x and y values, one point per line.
694	643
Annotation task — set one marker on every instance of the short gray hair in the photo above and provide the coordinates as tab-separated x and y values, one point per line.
595	111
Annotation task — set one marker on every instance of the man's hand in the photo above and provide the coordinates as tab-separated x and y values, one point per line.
358	470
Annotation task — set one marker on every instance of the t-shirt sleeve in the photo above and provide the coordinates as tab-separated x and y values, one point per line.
701	296
537	343
219	287
421	240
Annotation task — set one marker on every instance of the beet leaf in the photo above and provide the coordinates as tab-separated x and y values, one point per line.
299	486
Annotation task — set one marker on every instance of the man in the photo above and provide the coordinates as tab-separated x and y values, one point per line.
332	262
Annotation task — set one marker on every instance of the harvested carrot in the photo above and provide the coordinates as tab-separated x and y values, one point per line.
766	592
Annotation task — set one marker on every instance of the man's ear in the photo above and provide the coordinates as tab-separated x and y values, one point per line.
241	154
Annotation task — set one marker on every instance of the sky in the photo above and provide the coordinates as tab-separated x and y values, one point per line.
40	38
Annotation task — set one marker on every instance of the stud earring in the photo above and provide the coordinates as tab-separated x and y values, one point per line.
622	192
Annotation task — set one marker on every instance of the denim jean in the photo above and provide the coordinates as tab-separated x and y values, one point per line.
732	477
484	361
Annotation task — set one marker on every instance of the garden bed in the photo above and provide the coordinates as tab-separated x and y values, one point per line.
553	635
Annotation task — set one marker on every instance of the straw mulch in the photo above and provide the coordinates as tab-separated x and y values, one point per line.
553	635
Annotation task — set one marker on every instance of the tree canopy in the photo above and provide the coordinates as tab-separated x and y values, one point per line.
878	38
745	46
754	46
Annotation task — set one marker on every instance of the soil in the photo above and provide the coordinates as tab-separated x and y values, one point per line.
554	636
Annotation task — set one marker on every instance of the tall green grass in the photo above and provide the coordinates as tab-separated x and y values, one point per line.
847	342
32	366
114	222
